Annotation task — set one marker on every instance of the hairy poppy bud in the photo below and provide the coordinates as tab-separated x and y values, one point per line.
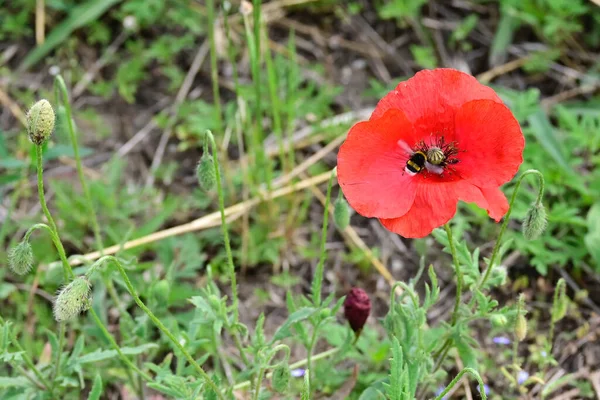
535	221
357	307
40	122
72	299
161	291
281	378
20	258
521	327
206	172
341	212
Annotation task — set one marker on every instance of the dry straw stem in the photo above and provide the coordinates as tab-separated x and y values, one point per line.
208	221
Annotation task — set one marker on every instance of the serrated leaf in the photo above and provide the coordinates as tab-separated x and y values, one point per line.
466	352
100	355
284	330
96	391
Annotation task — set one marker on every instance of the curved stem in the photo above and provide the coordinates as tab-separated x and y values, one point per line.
114	344
160	325
507	217
458	377
68	272
459	276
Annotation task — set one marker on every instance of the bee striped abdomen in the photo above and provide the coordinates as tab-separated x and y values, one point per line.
416	162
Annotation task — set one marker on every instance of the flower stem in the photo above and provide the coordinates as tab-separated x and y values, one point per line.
123	357
309	351
157	322
458	377
459	275
318	279
68	272
507	218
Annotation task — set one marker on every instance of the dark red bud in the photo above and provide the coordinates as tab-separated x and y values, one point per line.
357	307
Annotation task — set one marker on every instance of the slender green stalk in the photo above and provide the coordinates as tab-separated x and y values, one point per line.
507	218
28	361
64	98
458	377
318	279
123	357
157	322
459	275
214	71
61	345
259	378
68	272
224	228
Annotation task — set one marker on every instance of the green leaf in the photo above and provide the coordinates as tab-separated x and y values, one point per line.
300	315
18	381
545	134
96	391
592	238
466	352
80	15
100	355
503	38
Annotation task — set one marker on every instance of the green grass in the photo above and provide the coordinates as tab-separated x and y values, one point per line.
164	315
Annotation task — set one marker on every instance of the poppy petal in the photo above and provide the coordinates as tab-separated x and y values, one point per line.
371	167
434	92
435	204
491	199
490	143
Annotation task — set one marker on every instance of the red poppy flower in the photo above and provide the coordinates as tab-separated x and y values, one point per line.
438	138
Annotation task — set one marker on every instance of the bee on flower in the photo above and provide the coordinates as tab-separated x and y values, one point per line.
438	138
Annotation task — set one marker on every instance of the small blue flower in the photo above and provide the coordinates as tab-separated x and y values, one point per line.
439	391
501	340
486	389
298	372
544	354
522	376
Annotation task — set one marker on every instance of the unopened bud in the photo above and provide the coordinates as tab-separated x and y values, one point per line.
535	221
561	301
341	213
498	320
357	307
281	378
521	327
72	299
20	258
206	172
40	122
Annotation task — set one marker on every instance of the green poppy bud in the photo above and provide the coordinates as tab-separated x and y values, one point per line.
20	258
341	212
535	221
72	299
281	378
206	172
40	122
